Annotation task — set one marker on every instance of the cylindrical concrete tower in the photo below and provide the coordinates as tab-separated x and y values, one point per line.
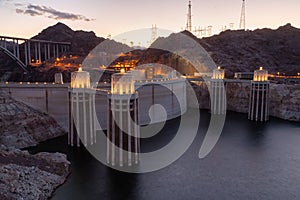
217	92
259	96
82	110
58	78
123	133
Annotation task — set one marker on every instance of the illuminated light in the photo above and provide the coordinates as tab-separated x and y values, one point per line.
122	83
260	75
6	82
45	83
28	83
53	83
122	70
71	56
218	73
80	79
21	83
36	83
57	59
32	60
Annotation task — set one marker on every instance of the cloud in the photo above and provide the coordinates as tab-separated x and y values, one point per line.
37	10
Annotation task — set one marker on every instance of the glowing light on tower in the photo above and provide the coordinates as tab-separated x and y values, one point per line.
82	107
80	79
218	73
260	75
217	92
259	96
123	144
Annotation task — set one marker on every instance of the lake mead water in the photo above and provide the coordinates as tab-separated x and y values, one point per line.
250	161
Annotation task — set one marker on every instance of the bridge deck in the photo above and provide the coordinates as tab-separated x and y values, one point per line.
34	40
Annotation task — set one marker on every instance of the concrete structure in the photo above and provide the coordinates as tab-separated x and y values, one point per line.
218	102
244	75
122	128
31	51
259	96
81	110
58	78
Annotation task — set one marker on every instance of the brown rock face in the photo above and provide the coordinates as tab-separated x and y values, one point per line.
22	126
82	42
284	99
22	175
276	50
238	95
25	176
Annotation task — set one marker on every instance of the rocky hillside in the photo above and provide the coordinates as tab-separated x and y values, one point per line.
284	99
276	50
22	175
22	126
82	42
26	176
241	51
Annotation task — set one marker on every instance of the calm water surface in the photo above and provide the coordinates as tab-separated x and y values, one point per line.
250	161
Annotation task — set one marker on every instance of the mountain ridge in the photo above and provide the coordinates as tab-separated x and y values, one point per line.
235	50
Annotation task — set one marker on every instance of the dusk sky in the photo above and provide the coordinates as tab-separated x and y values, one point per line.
27	18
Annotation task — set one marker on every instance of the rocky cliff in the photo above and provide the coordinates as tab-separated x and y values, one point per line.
82	42
277	50
284	99
22	175
25	176
22	126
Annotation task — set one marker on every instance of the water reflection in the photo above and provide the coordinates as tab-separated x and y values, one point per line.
122	185
250	161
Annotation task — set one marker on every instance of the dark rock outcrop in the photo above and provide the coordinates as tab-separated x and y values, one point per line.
238	51
284	99
25	176
22	175
82	42
22	126
276	50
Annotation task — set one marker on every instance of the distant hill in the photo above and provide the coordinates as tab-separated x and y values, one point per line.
82	42
276	50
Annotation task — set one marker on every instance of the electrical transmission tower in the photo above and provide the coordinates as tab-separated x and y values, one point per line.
209	31
154	33
189	18
243	17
